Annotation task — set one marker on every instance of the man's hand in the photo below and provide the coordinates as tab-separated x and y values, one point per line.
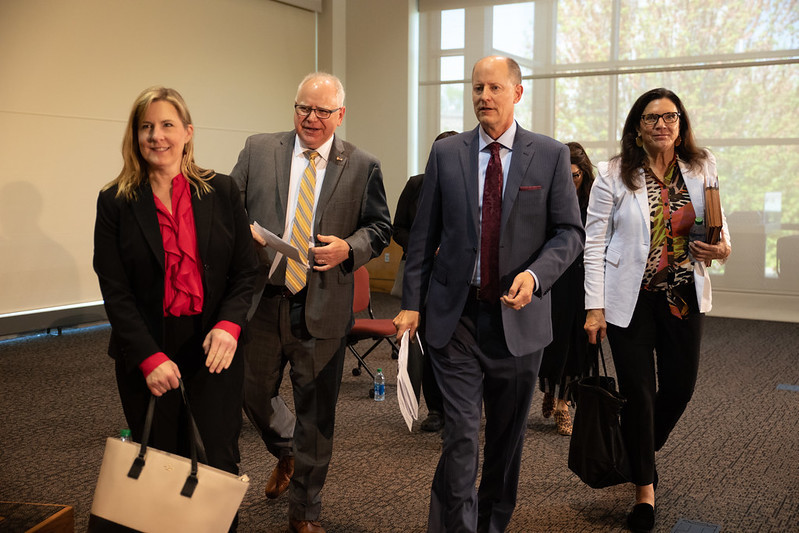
220	347
595	325
520	292
163	378
335	252
257	238
404	321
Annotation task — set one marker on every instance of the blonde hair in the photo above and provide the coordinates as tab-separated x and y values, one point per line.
134	168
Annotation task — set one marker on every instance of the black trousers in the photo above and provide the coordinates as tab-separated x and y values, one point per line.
215	399
657	389
566	358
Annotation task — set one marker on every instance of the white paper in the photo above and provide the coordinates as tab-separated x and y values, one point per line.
409	406
280	245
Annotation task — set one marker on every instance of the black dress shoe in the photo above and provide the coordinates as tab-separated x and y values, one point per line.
433	422
642	518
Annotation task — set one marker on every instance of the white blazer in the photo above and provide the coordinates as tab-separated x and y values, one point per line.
617	240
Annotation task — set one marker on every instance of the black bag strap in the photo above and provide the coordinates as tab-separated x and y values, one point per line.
597	355
196	447
138	463
602	357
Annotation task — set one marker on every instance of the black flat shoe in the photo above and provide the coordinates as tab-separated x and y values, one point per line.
642	518
433	422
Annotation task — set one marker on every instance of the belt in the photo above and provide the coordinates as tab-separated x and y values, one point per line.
474	294
278	291
477	296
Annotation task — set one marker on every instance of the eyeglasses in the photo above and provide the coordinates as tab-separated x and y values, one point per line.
321	114
651	119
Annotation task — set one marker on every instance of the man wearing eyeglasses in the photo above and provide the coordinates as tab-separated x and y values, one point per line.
325	197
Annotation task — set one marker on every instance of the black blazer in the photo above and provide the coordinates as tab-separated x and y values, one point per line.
129	261
406	211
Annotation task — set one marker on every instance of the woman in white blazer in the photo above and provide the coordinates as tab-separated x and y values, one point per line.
645	285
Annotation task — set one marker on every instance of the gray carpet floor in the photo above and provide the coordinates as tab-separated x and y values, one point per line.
733	460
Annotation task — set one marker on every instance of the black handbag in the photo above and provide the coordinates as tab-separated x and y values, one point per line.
596	451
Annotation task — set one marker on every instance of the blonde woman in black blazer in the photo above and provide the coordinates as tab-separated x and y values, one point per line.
152	347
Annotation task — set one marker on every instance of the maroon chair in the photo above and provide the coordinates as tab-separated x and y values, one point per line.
375	330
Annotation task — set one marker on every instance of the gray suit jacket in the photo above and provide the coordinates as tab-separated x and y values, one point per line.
541	231
352	206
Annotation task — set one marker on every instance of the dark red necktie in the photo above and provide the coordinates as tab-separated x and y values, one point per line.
491	219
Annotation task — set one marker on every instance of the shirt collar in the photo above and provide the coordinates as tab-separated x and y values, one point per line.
324	150
506	139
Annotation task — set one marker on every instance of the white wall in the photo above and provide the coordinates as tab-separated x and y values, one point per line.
378	54
69	72
70	69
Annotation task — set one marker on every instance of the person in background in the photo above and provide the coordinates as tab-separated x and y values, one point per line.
646	287
566	358
176	266
326	197
403	220
499	207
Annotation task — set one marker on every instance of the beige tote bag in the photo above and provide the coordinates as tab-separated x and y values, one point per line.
149	490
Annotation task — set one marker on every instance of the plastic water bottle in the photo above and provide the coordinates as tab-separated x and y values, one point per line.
380	386
124	435
697	232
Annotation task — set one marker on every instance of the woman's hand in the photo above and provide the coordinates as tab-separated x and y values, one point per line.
220	347
163	378
595	325
703	252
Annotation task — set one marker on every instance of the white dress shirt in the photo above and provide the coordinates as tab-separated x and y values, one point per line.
299	162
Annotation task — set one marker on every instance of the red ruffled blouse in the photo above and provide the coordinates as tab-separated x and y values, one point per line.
183	283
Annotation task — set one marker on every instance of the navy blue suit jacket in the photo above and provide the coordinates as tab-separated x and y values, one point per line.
541	231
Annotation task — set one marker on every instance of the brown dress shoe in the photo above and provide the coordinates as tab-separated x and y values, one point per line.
280	478
306	526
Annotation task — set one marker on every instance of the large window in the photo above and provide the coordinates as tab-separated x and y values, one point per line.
734	63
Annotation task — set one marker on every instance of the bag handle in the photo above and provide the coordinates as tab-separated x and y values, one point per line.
195	445
602	357
599	355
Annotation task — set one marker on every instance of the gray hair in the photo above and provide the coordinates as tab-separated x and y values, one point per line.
324	76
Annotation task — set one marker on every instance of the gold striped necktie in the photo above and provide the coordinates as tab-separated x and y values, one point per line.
296	273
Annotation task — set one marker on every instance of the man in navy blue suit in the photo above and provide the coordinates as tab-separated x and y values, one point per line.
499	205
